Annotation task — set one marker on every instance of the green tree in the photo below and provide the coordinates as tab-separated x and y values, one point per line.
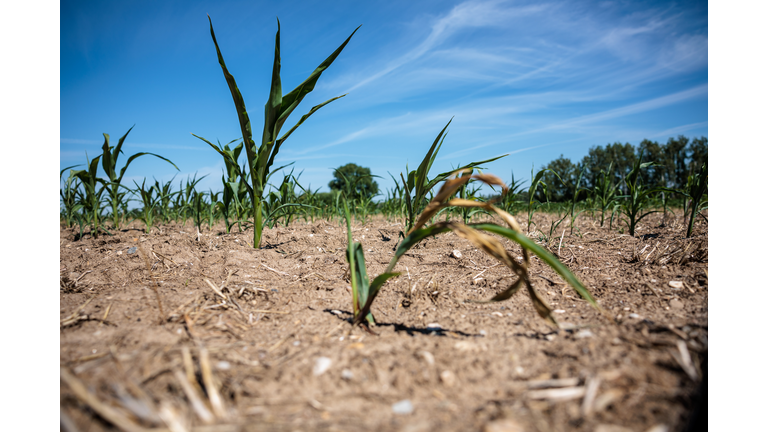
354	181
698	154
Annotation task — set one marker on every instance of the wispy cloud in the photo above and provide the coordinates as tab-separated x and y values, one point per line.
463	16
77	141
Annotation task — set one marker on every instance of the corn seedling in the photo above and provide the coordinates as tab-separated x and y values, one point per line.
109	164
697	185
634	204
604	192
363	290
420	184
474	233
149	201
93	189
69	196
164	196
576	191
536	181
277	110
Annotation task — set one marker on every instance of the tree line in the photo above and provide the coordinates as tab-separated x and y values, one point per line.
673	162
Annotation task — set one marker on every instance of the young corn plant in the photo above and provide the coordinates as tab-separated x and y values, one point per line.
149	199
576	192
109	164
634	204
475	233
93	189
697	186
419	184
604	192
363	289
69	197
277	110
536	181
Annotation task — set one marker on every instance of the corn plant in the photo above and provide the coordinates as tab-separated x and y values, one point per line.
420	184
604	192
697	185
363	289
149	199
277	110
165	197
576	191
637	199
109	164
536	181
474	233
509	200
93	189
69	196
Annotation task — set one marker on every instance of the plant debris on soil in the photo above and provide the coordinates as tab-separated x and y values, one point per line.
163	331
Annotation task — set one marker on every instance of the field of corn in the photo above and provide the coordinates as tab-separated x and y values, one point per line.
454	301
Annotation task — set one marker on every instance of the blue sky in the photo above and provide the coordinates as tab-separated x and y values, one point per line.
530	79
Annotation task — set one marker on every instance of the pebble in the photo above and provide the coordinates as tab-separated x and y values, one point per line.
347	375
676	284
456	253
581	334
434	326
448	378
404	407
503	425
132	250
634	315
322	364
428	357
676	304
223	365
611	428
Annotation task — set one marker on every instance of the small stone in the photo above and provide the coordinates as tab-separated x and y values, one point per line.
476	281
428	357
456	254
322	364
503	425
676	304
223	365
676	284
132	250
448	378
404	407
611	428
558	311
498	314
634	315
336	312
434	326
583	334
347	375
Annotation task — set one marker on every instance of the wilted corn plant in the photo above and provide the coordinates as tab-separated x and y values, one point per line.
277	110
419	183
364	294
